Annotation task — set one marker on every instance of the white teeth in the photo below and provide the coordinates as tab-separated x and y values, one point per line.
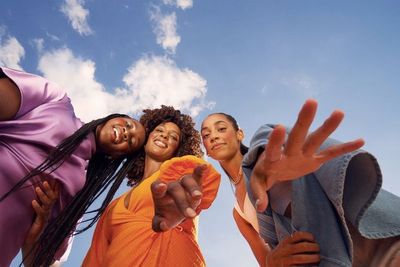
116	135
160	144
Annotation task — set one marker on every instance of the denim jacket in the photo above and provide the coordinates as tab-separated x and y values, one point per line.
322	200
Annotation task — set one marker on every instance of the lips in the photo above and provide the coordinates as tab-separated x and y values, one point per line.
159	143
217	146
117	135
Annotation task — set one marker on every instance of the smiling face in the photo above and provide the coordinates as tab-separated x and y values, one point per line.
120	136
220	138
163	141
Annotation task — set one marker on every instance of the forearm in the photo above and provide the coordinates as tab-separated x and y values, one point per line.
256	243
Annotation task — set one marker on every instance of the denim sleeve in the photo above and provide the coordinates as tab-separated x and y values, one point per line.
257	144
347	196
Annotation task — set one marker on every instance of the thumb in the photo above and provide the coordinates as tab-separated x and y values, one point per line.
158	224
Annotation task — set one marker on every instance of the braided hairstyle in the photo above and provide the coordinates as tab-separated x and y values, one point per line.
190	139
102	172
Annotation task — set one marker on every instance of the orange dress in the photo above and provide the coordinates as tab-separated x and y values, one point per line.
124	237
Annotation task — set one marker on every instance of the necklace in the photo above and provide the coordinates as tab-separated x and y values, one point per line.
238	177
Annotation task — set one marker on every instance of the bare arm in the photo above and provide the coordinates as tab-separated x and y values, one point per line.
10	99
256	243
42	206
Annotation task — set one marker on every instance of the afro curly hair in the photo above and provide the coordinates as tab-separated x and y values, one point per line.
189	138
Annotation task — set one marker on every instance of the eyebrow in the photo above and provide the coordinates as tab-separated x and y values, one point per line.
169	131
215	123
175	132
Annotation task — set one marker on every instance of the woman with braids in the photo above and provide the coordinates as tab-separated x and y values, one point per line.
124	235
42	143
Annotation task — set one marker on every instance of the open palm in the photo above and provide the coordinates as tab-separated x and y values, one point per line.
298	155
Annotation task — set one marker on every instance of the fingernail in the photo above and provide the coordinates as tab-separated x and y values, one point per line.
190	212
257	204
196	193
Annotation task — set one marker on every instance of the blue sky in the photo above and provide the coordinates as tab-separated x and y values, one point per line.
258	60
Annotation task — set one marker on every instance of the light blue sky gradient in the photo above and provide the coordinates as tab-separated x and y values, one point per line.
257	60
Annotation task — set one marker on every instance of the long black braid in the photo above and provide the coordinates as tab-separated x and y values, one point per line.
102	172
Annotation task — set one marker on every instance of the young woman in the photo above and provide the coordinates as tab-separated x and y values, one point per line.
42	140
298	206
124	235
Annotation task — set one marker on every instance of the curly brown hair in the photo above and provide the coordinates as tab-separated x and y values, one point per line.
189	143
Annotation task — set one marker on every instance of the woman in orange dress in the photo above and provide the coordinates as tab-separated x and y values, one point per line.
124	235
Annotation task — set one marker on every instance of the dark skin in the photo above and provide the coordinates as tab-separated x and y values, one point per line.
176	201
299	157
47	195
10	99
10	102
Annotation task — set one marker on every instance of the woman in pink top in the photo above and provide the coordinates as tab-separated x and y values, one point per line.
42	140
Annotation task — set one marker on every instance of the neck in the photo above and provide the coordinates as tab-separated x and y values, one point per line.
232	165
150	166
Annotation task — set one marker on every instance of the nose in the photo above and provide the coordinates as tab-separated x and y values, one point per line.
163	135
213	137
126	134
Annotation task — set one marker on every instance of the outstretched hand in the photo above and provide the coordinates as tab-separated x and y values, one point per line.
299	156
46	199
176	201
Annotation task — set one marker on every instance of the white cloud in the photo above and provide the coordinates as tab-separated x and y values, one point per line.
11	51
165	30
77	15
154	80
39	44
76	76
150	82
53	37
183	4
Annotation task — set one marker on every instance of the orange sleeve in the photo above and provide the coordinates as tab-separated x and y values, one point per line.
100	241
175	168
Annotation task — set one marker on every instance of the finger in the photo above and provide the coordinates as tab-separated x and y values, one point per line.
273	149
158	189
337	150
40	212
52	182
198	173
300	236
258	187
191	183
48	190
44	199
299	131
178	194
305	247
315	139
302	259
159	225
191	186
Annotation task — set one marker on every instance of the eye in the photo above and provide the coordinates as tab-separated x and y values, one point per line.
174	137
129	125
205	136
222	129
